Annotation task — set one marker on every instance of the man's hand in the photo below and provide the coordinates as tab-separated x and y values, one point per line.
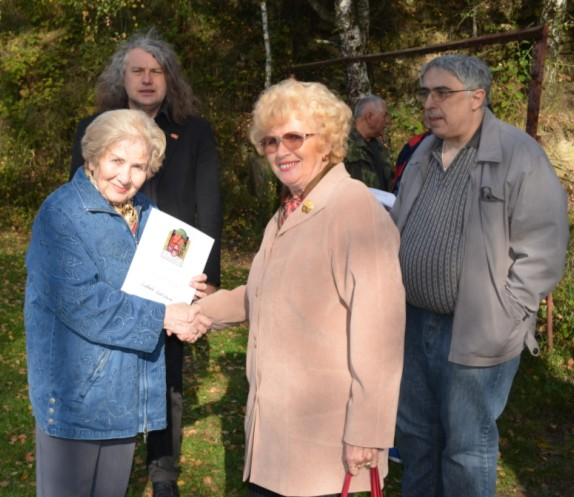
202	287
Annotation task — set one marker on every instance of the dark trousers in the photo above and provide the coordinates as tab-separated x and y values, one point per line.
164	446
82	468
257	491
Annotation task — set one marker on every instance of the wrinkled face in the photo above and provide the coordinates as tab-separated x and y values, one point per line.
296	168
378	119
121	170
453	117
144	81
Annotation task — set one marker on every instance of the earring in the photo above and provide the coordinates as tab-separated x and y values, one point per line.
325	158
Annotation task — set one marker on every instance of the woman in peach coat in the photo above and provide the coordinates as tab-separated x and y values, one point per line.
326	309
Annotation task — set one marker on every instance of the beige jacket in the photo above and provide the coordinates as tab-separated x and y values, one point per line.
326	308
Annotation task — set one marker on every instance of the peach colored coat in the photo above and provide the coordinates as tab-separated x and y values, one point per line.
326	309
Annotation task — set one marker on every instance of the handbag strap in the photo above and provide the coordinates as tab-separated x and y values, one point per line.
376	490
346	485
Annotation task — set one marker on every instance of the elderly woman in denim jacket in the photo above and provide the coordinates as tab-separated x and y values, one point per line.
96	366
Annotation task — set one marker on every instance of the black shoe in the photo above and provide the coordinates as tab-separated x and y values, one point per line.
165	489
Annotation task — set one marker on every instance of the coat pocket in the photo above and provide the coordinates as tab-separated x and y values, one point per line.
488	194
100	365
514	309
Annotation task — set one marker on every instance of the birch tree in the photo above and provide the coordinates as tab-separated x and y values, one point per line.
352	22
554	15
268	55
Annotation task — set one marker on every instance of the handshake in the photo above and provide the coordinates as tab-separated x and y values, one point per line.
186	321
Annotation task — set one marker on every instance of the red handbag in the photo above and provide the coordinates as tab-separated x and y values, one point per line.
376	490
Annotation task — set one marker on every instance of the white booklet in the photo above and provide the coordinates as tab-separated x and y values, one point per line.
169	254
386	199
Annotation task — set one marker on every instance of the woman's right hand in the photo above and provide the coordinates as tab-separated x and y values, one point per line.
360	457
185	321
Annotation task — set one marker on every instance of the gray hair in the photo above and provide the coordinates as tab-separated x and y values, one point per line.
472	72
110	90
365	102
115	126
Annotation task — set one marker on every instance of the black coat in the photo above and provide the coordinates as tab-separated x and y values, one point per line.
187	185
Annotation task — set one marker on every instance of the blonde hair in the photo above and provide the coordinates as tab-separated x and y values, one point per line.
114	126
311	102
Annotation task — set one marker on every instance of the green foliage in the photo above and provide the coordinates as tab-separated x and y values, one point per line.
115	17
53	50
17	465
511	75
21	184
563	308
255	195
406	115
34	97
536	428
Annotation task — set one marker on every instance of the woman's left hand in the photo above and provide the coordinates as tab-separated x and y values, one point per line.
202	288
360	457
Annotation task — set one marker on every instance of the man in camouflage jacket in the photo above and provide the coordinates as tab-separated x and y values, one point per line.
367	158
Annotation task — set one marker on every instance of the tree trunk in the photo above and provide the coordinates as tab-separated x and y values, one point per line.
353	33
553	15
268	58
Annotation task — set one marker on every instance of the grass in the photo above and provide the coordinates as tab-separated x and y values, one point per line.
537	428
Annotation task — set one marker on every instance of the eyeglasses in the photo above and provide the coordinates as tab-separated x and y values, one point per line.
291	140
439	94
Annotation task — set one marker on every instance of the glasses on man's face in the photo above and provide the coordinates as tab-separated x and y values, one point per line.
291	141
438	94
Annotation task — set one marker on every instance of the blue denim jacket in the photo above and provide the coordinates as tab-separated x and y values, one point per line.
96	366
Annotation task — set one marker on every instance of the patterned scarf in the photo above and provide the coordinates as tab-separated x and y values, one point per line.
124	209
129	213
288	204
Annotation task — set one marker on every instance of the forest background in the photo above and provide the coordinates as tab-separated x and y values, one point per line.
51	52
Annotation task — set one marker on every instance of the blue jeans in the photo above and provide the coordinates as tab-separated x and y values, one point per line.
446	427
